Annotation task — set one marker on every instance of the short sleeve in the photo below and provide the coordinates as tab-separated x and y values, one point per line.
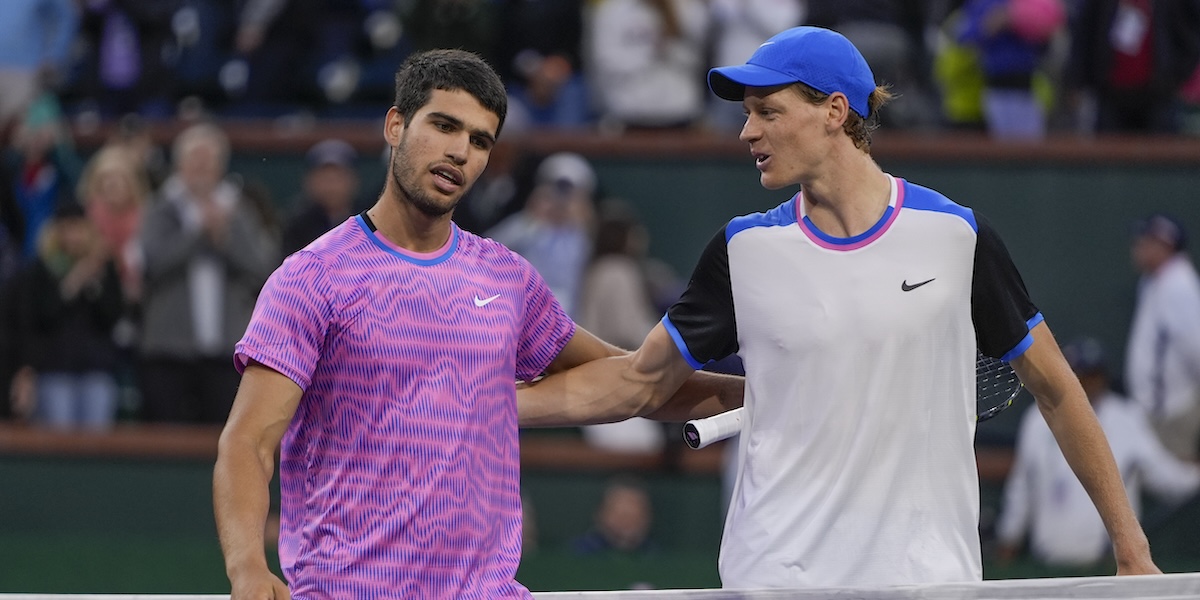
702	321
545	327
1000	306
291	317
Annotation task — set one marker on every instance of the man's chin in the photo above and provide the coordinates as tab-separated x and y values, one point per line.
434	209
770	184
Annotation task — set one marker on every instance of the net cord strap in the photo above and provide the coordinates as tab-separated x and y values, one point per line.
1176	586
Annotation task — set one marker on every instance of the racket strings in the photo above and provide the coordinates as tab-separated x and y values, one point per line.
997	385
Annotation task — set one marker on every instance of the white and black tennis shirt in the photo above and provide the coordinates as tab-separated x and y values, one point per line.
857	456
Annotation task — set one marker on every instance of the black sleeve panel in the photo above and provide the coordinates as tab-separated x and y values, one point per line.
704	314
1000	304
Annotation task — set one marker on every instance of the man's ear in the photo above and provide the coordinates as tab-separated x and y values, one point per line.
839	111
393	126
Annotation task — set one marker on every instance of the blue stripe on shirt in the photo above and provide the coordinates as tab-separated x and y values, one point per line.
1025	342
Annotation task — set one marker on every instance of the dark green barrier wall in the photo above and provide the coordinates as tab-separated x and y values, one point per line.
108	526
145	526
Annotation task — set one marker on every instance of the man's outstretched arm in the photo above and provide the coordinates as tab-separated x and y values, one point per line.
655	381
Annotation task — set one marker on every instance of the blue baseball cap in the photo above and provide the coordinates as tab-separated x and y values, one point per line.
1085	355
332	152
1164	228
820	58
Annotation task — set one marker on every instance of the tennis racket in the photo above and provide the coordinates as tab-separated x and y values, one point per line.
996	387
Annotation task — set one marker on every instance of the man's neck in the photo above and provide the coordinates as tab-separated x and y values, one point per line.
405	226
850	199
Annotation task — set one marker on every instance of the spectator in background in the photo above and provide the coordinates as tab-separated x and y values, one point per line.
529	526
539	60
646	62
68	302
958	76
616	302
1011	38
271	40
11	235
267	58
12	227
739	26
356	46
623	521
329	196
290	56
1162	364
201	29
115	194
617	305
207	255
35	46
10	345
126	65
553	230
1044	500
43	168
379	44
341	43
1129	59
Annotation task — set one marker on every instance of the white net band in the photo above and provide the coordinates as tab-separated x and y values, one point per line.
1161	587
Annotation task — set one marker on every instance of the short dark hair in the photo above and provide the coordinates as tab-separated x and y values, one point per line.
448	70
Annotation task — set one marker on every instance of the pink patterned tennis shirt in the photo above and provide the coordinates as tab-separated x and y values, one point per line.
400	473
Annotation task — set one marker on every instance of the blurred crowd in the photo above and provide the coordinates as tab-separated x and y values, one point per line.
127	275
126	279
1018	68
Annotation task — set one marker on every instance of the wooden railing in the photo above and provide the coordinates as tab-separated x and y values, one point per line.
538	452
270	137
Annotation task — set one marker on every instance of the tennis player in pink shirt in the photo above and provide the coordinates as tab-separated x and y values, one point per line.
381	362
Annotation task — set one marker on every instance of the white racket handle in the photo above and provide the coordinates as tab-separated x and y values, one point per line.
699	433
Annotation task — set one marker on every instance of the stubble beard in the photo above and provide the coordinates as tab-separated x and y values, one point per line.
405	177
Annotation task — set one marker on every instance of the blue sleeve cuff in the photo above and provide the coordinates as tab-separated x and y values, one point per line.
1025	342
679	343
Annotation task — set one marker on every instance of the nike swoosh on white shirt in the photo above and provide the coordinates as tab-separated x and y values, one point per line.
485	301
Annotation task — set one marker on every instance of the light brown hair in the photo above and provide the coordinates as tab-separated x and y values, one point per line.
856	126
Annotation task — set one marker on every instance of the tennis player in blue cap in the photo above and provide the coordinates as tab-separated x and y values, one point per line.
858	306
